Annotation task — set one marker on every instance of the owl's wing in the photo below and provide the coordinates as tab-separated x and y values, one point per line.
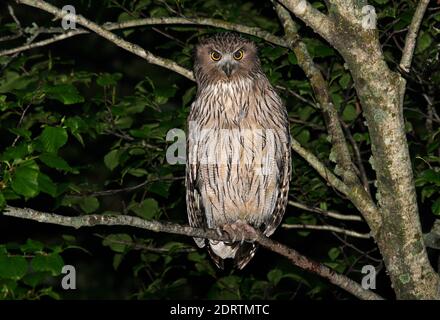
195	212
284	164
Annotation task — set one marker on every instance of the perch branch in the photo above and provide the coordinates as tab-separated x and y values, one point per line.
411	36
156	226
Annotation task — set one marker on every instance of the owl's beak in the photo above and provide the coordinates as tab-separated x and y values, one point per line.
228	67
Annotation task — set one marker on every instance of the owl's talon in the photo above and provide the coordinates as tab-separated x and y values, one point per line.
240	230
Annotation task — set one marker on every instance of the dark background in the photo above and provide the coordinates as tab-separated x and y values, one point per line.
142	273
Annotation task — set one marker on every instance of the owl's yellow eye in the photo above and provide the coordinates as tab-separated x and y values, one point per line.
215	56
238	55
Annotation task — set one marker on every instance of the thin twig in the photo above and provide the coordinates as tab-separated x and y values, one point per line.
357	157
411	36
331	214
350	233
141	246
128	189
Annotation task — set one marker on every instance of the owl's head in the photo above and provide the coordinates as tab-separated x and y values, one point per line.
225	57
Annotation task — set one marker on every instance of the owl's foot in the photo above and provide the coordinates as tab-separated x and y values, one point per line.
240	230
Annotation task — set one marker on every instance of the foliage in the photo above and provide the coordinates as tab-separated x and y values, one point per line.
76	122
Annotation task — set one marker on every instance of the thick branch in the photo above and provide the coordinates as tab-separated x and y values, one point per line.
156	226
319	22
133	48
411	36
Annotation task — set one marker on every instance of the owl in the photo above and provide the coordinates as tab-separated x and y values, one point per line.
238	147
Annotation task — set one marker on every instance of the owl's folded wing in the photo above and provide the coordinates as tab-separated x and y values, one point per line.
196	216
284	164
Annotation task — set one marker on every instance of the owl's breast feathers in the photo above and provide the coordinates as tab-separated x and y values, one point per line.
238	160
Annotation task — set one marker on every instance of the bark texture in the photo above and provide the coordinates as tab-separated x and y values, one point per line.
381	92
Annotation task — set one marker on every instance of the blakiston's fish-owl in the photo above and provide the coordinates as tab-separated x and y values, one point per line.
238	146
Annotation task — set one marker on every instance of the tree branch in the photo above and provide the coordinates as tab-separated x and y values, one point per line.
253	31
331	214
319	22
320	88
133	48
411	36
350	233
296	258
345	168
356	194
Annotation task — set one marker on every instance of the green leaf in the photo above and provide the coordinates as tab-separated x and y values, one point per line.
147	209
117	242
21	132
89	204
46	185
274	276
161	188
436	207
17	152
53	161
345	80
424	41
349	113
304	136
108	79
25	179
65	93
117	259
11	81
292	58
52	263
111	159
333	253
32	246
53	138
36	278
137	172
189	95
428	176
273	53
14	267
2	201
162	94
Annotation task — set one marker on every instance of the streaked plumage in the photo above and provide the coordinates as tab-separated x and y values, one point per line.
238	155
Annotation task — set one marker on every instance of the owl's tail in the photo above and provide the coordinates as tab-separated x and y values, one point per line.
241	253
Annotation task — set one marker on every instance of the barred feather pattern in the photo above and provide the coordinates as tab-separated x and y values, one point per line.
238	154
